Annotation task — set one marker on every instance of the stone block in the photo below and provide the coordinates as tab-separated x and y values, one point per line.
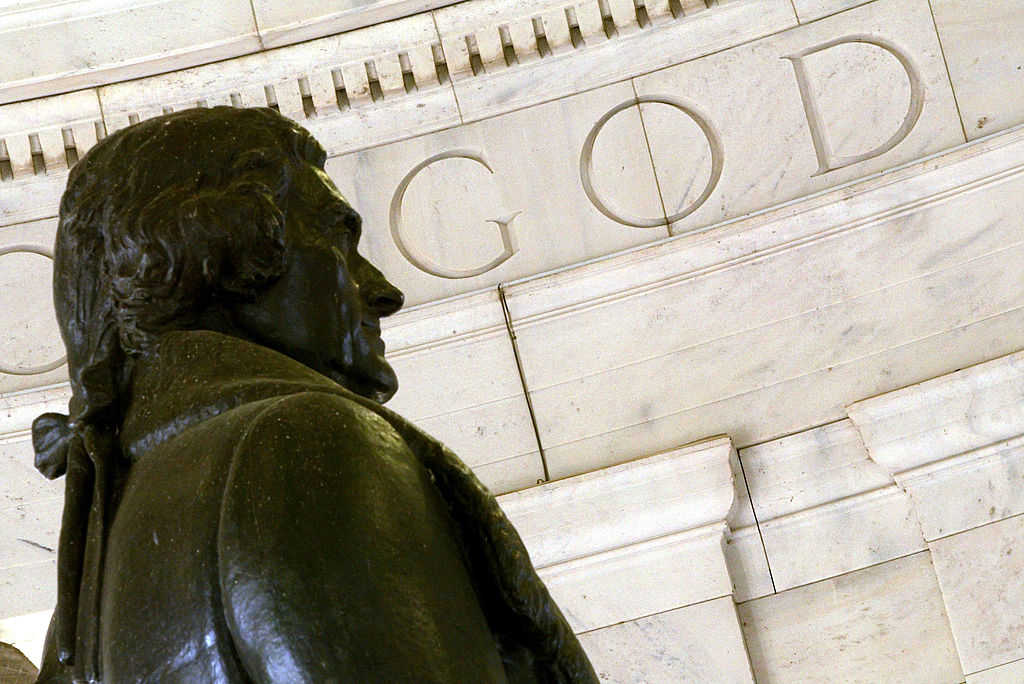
881	624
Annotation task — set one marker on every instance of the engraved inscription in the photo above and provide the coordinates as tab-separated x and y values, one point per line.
827	160
713	140
18	369
504	223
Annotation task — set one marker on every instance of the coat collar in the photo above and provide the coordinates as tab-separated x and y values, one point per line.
192	376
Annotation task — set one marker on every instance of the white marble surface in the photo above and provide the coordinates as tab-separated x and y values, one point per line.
597	60
282	23
27	633
808	469
634	539
62	46
810	10
642	579
881	624
21	482
985	483
752	98
369	118
841	536
449	207
824	507
979	572
984	47
699	643
28	588
900	284
945	416
748	564
30	343
676	491
1011	673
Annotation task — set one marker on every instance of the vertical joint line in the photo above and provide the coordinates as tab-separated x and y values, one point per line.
451	81
949	75
650	155
757	523
522	378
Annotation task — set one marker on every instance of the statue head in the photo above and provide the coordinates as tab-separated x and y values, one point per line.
219	219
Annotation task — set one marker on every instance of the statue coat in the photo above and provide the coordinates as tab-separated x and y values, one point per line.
275	527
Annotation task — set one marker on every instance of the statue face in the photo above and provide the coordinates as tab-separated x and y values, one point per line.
325	310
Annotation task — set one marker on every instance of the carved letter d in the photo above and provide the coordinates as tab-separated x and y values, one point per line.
827	161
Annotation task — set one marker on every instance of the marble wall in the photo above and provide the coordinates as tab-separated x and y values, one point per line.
625	226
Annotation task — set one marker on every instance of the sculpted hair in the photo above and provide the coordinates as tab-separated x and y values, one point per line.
159	221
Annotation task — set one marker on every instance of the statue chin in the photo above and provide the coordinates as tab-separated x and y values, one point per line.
379	383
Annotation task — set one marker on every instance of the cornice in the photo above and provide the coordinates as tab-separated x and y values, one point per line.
390	81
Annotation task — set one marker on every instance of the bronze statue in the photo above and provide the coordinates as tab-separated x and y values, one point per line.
239	505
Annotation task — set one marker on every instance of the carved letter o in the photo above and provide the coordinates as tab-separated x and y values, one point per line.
714	142
42	368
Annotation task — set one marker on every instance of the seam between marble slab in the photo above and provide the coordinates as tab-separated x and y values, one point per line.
839	416
994	667
256	26
650	156
976	527
451	83
949	74
753	512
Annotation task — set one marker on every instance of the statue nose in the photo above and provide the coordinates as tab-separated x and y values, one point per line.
383	298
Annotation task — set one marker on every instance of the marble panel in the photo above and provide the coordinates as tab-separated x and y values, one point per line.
683	489
984	46
641	579
735	337
621	397
810	10
944	416
824	507
19	409
31	350
20	482
28	532
698	643
520	169
881	624
808	469
841	536
580	50
766	413
985	483
28	588
281	23
54	47
874	80
1011	673
748	564
354	90
979	572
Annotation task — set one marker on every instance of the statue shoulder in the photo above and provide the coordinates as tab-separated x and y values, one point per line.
320	422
